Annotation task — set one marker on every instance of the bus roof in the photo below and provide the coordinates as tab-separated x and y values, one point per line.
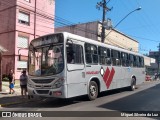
73	36
80	38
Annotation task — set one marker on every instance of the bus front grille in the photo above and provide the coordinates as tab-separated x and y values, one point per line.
43	87
43	80
42	91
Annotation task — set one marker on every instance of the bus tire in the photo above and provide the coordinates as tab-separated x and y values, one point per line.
133	84
93	90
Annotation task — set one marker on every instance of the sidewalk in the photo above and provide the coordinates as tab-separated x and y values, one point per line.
5	87
7	99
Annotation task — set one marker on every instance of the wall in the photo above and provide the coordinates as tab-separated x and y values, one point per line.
119	39
88	30
147	61
92	30
43	25
44	16
7	33
10	28
7	24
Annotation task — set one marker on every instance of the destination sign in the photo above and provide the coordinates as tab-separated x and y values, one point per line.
50	39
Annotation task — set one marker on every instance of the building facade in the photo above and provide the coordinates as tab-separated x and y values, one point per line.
93	30
20	22
155	67
150	65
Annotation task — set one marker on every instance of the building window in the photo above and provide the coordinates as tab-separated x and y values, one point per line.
21	65
22	42
51	2
27	0
23	18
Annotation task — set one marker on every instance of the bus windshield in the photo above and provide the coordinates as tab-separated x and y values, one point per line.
45	60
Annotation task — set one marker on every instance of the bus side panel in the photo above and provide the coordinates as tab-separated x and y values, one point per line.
76	83
93	72
139	74
102	73
127	72
118	77
130	72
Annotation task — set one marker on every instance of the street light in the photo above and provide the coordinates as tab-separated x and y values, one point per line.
128	15
139	8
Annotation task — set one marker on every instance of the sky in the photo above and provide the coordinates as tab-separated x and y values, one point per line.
143	25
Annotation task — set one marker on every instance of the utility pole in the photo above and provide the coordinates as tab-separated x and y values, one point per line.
35	16
158	58
103	4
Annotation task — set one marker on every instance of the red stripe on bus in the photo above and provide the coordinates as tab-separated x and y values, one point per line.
110	78
106	74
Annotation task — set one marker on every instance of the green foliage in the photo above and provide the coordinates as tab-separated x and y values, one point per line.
5	77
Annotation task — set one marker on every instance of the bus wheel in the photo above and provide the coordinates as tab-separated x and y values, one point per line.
133	84
93	90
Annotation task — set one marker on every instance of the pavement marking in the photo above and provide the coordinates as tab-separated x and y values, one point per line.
44	99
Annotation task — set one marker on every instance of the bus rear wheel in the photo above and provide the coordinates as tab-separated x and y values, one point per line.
133	84
93	90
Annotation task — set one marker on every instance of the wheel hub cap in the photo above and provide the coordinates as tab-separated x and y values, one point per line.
93	90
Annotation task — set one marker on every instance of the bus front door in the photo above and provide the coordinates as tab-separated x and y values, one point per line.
75	69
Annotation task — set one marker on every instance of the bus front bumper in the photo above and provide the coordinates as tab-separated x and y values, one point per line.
57	93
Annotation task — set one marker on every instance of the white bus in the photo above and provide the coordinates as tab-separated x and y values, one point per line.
64	65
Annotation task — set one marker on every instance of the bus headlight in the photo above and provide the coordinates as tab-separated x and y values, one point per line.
58	83
30	84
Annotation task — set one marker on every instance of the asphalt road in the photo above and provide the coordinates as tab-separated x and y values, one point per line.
145	98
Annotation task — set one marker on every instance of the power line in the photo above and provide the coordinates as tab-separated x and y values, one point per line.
63	23
66	22
60	21
144	38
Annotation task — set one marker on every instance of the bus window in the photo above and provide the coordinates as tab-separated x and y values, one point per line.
101	55
74	54
104	56
115	56
131	60
125	61
137	61
91	53
141	62
134	61
70	54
